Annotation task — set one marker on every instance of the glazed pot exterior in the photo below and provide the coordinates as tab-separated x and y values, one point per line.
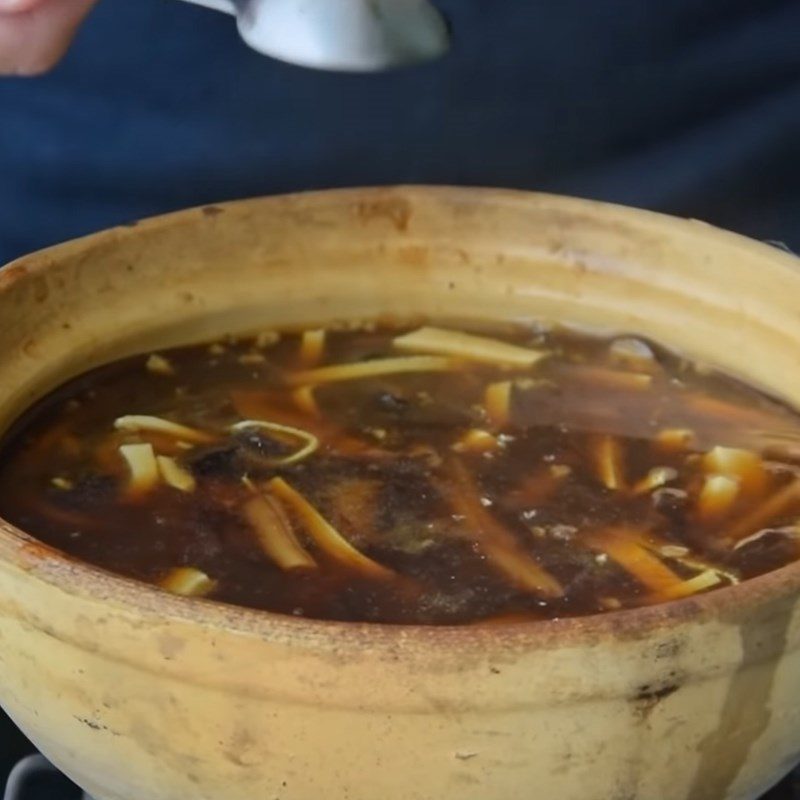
138	695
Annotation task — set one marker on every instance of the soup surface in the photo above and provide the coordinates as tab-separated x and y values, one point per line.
414	475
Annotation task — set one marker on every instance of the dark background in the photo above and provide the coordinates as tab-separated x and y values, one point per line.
683	106
687	106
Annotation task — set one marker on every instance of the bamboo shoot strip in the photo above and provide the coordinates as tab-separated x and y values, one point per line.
175	475
609	461
275	534
605	378
141	460
745	466
304	399
778	503
188	582
496	542
141	423
476	440
312	347
325	536
497	403
376	368
699	583
622	546
441	342
655	479
717	497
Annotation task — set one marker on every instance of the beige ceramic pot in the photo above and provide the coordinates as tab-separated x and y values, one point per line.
138	695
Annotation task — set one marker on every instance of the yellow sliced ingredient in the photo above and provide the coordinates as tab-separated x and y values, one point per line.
476	440
498	544
325	536
304	399
442	342
701	566
699	583
159	365
655	479
606	378
188	582
780	502
275	534
744	465
373	369
673	550
717	497
497	403
143	467
312	347
675	440
175	475
609	461
142	423
622	545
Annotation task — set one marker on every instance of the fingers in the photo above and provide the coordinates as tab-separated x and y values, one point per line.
35	34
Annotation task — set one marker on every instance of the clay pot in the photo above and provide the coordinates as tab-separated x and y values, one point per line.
138	695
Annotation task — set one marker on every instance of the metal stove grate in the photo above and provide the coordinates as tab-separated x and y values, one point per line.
35	778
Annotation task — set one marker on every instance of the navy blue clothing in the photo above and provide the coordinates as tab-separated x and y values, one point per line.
688	106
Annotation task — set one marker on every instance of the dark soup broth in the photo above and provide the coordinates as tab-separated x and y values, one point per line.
413	475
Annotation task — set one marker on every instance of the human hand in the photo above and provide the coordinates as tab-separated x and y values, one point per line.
35	34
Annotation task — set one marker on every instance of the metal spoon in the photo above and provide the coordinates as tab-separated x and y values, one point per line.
341	35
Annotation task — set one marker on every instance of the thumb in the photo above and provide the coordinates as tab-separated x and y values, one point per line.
35	34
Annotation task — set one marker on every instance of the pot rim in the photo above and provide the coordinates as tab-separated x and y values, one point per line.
80	578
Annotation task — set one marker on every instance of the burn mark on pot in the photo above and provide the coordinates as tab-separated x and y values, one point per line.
212	211
653	695
12	274
132	223
395	209
241	750
746	711
37	551
96	726
669	649
649	695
